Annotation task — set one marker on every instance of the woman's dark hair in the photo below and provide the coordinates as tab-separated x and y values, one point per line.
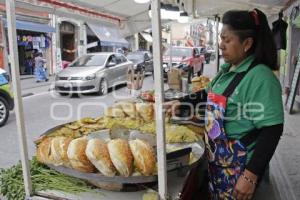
254	24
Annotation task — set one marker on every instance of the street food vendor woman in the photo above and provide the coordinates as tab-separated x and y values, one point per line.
244	112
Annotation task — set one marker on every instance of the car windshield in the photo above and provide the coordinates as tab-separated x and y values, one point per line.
202	50
3	79
135	56
89	61
180	52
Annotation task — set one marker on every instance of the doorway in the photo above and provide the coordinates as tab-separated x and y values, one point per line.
67	44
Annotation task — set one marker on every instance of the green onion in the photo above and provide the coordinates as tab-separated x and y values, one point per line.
43	178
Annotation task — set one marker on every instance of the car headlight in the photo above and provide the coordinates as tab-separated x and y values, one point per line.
90	77
135	66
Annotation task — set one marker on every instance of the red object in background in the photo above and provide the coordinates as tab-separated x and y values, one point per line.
148	96
189	43
194	61
65	64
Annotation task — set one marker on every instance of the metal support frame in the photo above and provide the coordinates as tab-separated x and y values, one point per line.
53	44
14	60
159	99
217	19
82	39
171	47
286	76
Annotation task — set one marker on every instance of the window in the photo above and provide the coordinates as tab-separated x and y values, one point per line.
123	59
112	58
149	55
89	61
180	52
146	56
119	59
196	52
202	50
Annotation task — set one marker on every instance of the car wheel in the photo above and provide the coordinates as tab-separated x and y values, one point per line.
4	111
103	87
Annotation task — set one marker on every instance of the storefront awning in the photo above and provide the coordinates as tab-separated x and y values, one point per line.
108	35
147	37
31	26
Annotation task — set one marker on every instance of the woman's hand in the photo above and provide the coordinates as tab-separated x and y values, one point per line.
244	189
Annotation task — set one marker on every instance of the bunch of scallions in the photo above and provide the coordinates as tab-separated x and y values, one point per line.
43	178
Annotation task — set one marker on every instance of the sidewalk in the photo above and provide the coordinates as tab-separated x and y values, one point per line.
30	87
285	164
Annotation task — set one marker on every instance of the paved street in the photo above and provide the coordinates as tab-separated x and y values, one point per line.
44	109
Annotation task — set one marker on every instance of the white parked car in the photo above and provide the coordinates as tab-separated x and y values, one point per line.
93	73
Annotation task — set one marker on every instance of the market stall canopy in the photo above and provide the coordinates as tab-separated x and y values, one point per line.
136	19
108	35
133	18
31	26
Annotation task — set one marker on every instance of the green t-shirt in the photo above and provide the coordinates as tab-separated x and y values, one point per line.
255	103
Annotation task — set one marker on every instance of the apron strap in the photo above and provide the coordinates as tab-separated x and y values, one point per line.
236	80
250	137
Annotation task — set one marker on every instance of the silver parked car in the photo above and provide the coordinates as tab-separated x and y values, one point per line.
93	73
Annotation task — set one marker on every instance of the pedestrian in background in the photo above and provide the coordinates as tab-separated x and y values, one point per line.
40	70
29	65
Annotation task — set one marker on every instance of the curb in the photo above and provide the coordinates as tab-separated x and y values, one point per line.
38	85
27	94
26	77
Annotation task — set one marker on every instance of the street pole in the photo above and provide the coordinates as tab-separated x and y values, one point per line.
14	60
53	43
287	77
170	48
159	99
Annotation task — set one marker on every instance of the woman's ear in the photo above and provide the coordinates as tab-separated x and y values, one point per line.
247	43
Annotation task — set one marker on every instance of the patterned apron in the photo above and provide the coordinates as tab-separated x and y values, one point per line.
226	157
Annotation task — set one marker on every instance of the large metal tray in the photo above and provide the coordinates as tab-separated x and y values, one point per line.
177	163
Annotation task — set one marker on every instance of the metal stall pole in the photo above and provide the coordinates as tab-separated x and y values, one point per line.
217	19
53	44
14	60
285	81
170	48
159	99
